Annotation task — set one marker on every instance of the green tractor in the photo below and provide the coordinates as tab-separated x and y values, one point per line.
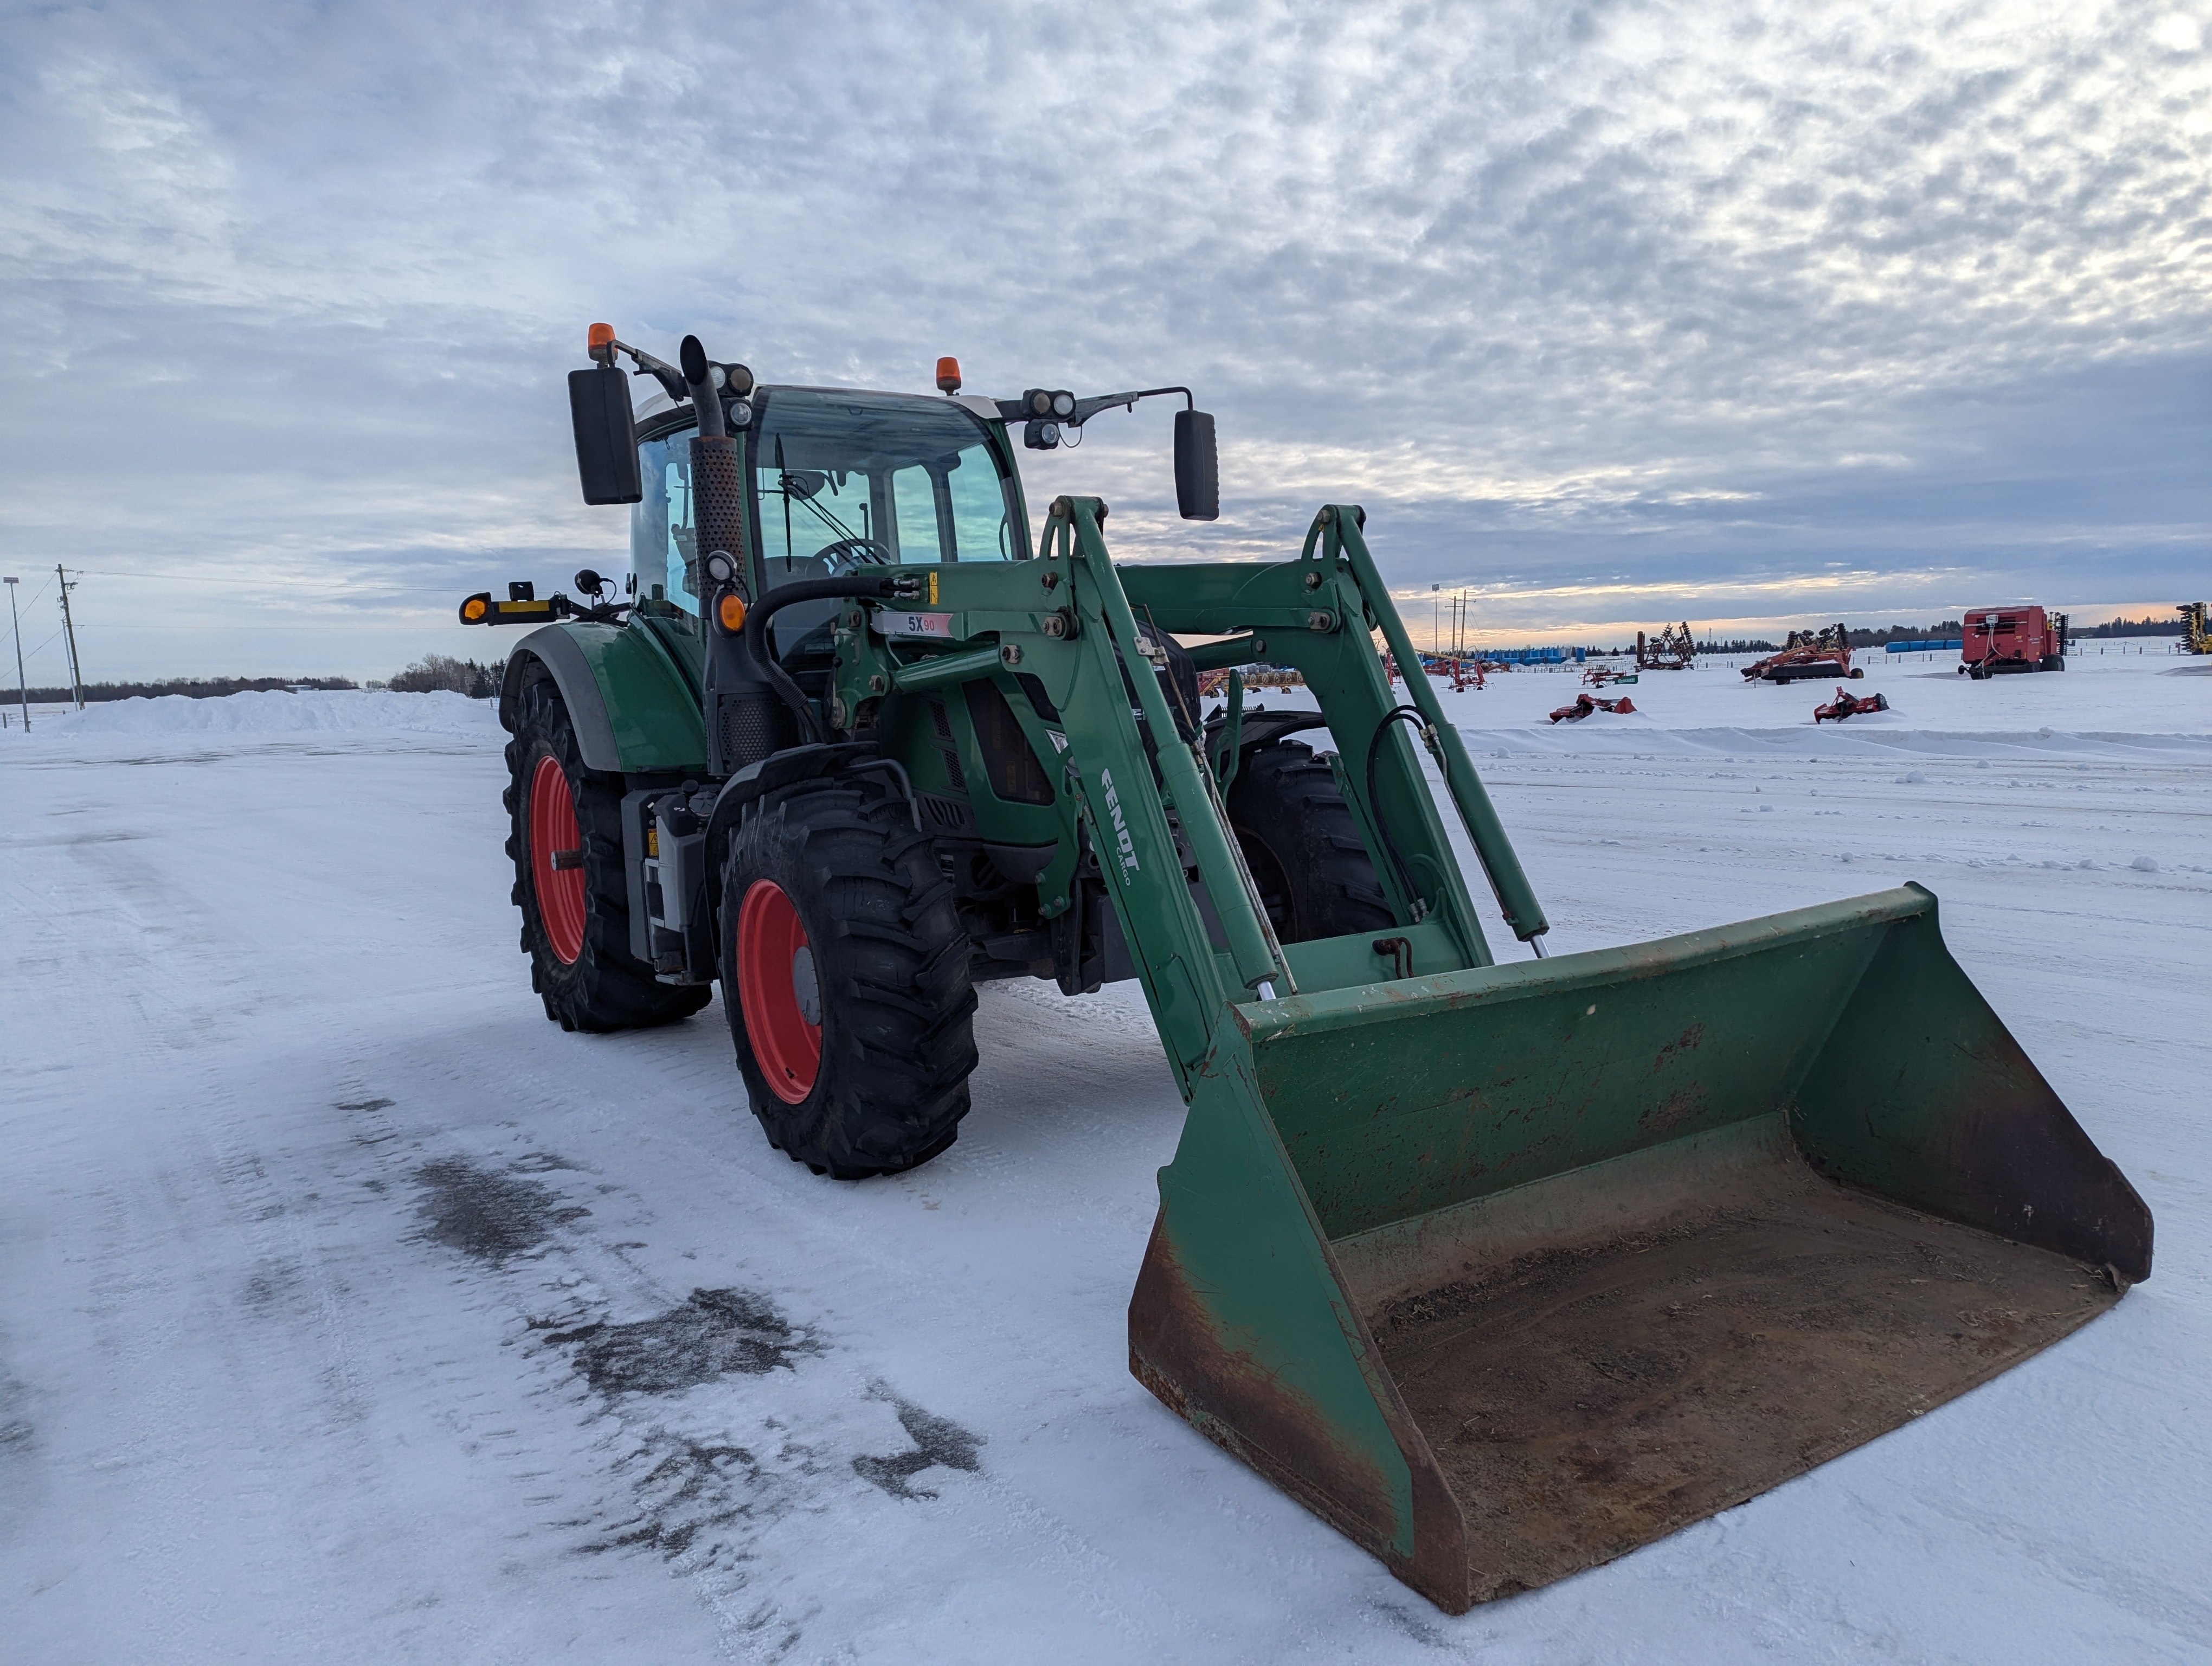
1503	1269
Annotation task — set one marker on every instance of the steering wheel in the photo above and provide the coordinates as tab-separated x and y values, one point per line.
847	554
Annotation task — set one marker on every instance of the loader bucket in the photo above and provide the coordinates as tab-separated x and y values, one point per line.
1505	1272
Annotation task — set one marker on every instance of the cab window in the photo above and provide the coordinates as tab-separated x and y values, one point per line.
846	480
664	552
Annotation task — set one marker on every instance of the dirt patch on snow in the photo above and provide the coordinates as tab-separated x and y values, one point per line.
487	1214
714	1334
937	1440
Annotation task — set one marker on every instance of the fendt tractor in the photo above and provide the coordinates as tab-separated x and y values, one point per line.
1503	1269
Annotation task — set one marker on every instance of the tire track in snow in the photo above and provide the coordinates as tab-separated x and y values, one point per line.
711	1478
688	1433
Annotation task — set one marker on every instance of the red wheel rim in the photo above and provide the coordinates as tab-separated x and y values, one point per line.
786	1043
560	890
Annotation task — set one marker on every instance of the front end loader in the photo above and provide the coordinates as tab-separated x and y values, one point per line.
1502	1269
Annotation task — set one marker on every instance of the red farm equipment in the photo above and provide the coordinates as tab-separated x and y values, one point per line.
1806	654
1672	649
1584	706
1847	704
2009	639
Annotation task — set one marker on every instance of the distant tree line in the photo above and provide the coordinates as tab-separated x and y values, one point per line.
1861	636
194	688
435	672
427	675
2168	626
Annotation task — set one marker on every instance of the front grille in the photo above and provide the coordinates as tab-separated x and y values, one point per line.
1015	775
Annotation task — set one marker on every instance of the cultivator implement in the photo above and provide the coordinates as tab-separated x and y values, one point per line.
1503	1269
2196	630
1673	649
1806	654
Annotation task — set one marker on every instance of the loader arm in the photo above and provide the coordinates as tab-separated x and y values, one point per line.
1139	794
1503	1270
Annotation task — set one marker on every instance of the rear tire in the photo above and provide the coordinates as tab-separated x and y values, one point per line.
1302	843
575	920
845	978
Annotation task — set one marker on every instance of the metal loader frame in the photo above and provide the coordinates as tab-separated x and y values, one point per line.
1366	1111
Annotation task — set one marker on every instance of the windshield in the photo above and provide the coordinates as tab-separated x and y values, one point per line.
843	479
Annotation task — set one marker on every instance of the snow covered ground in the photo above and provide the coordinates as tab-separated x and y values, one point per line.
349	1311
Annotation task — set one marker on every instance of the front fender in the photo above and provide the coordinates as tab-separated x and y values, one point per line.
633	711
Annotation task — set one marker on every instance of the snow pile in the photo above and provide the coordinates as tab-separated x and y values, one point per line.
175	724
274	713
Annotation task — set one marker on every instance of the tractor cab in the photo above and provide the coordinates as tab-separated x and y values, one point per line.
837	482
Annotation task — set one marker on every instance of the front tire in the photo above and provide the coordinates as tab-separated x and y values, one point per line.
1302	843
845	977
565	839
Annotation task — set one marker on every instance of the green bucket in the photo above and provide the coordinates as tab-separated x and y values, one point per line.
1507	1271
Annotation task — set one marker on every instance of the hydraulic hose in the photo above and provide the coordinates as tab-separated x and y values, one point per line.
1414	903
1516	899
807	590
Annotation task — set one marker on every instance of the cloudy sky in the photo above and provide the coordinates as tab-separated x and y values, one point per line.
1751	313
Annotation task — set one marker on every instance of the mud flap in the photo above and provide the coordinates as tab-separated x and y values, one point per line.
1505	1272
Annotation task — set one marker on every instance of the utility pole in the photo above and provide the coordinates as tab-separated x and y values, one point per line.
22	687
69	630
1436	623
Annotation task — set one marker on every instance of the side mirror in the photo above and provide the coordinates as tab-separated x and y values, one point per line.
1197	469
606	435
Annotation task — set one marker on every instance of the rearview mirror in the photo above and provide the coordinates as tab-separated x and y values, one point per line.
606	435
1197	469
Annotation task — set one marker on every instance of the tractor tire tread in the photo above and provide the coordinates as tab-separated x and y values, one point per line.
891	961
606	989
1303	845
